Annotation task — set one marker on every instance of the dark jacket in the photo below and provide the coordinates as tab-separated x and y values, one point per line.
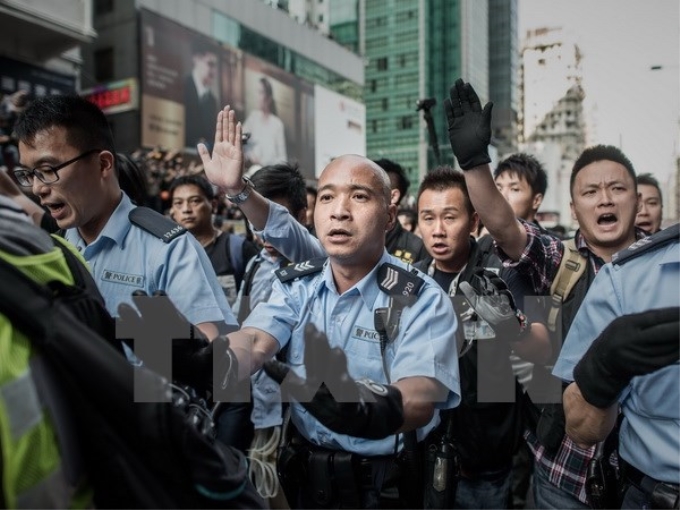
404	245
199	115
487	434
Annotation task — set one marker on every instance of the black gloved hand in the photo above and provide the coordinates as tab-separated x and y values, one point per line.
469	125
357	408
489	296
157	322
631	345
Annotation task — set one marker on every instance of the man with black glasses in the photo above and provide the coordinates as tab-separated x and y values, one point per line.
67	156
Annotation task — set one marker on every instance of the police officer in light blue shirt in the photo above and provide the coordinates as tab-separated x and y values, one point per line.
642	278
423	347
284	186
68	157
125	257
417	372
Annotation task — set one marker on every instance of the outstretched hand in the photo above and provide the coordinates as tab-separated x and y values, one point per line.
357	408
224	168
469	125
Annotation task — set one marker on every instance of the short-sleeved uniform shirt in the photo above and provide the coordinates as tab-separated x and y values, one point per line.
125	258
266	394
649	438
424	346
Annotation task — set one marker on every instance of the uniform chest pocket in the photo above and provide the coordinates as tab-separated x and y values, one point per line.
364	343
658	395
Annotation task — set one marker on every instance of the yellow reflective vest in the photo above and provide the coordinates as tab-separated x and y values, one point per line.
35	469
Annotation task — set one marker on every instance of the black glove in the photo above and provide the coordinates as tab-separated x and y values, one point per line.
469	125
631	345
489	296
158	321
364	409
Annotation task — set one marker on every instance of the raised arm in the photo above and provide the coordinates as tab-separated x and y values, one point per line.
224	168
470	135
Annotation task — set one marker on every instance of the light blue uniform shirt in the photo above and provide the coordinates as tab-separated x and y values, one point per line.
425	344
261	286
288	236
125	258
650	432
266	393
295	242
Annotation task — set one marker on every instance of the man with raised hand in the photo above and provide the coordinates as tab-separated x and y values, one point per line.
396	381
604	201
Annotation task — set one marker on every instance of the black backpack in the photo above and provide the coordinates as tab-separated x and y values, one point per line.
135	455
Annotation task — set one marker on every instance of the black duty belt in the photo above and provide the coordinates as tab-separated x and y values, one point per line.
336	474
662	494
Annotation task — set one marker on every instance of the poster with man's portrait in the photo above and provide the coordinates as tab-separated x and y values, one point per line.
181	88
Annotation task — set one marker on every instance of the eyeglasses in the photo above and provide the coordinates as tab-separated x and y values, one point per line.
46	173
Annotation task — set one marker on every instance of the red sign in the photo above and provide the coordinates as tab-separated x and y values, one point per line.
114	97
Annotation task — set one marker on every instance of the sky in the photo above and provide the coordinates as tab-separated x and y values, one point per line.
627	104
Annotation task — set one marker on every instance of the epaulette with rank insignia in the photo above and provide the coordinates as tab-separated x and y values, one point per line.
647	244
398	283
294	271
156	224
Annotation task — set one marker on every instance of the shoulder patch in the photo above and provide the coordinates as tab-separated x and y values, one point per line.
399	283
295	271
156	224
647	244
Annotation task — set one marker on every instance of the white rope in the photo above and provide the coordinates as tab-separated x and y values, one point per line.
262	456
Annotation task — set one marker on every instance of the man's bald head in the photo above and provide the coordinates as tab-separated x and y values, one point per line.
382	180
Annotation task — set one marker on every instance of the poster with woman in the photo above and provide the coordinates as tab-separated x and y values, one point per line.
270	109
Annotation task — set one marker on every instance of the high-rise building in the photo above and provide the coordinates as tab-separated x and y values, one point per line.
344	20
550	66
413	50
503	74
551	121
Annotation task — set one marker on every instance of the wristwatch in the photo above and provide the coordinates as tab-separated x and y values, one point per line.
243	195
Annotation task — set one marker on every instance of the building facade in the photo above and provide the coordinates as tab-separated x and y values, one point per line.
40	45
503	74
414	50
248	43
551	119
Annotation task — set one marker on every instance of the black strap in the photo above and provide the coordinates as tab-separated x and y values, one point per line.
24	302
320	480
246	285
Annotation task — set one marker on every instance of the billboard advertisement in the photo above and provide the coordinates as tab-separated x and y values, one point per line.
181	84
186	78
340	125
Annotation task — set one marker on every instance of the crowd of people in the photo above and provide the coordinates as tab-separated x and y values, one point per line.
359	353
